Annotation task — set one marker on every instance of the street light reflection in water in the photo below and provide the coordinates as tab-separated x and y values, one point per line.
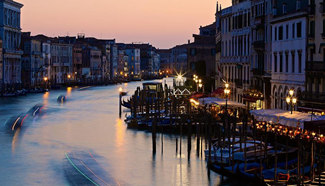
89	121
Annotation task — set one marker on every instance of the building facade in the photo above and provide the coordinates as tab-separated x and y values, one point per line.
33	67
114	61
46	55
95	64
201	55
259	95
133	61
123	67
236	48
106	62
289	43
77	63
61	58
165	60
10	34
179	58
1	69
314	97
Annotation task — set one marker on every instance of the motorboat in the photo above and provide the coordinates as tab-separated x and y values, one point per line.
16	122
61	99
84	168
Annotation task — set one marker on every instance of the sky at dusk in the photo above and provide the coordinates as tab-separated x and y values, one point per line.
163	23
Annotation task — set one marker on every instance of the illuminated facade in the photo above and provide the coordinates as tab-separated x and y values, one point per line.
10	34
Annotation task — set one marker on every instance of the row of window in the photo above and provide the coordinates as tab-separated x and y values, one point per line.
233	72
237	21
237	46
288	31
12	39
11	18
281	57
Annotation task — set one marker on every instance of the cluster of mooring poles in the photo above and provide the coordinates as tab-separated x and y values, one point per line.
231	140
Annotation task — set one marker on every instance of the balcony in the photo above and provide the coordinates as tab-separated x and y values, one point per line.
315	66
259	45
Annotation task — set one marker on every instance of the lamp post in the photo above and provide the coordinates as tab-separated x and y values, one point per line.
196	80
227	92
291	100
200	84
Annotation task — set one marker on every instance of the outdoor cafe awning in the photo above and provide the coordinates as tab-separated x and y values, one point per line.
283	117
219	101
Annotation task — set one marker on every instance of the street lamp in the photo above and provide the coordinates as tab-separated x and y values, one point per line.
69	77
45	79
200	84
227	92
291	100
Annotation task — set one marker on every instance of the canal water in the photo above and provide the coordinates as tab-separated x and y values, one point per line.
88	122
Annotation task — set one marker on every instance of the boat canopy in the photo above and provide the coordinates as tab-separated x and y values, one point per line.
219	101
284	117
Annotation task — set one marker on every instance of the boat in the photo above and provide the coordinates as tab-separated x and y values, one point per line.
236	151
126	104
35	110
16	122
61	99
83	168
8	94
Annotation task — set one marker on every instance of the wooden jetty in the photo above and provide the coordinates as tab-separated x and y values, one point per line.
279	155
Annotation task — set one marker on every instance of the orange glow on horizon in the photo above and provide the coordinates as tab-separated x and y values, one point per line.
163	23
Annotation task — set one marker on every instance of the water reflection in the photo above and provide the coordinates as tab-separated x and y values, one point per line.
88	121
120	134
69	89
14	140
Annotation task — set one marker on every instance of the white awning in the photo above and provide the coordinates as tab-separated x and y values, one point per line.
283	117
219	101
